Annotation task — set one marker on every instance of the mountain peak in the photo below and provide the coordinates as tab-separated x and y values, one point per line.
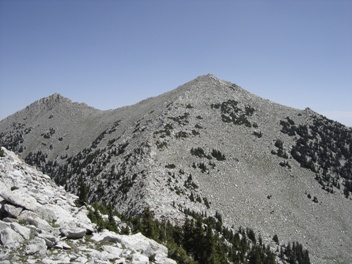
54	98
208	77
211	76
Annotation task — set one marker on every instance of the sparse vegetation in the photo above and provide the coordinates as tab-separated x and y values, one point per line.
218	155
258	134
161	144
232	113
195	132
325	147
190	184
285	164
96	210
166	132
170	166
82	192
181	120
181	134
199	152
276	239
281	152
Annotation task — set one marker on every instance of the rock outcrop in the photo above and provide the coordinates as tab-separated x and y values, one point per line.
40	223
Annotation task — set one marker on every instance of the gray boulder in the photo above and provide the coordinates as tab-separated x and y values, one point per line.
49	239
106	236
19	198
144	245
62	245
73	232
3	225
22	230
138	258
36	246
11	210
33	219
112	252
10	238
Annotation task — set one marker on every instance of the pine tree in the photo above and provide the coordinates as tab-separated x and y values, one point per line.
276	239
82	192
148	225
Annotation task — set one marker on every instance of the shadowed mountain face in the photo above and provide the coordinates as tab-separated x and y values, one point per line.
209	146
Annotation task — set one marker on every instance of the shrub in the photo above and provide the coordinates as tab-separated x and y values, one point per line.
276	239
195	132
181	134
170	166
199	152
218	155
258	134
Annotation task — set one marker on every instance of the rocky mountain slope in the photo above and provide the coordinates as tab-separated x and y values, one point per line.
209	146
40	223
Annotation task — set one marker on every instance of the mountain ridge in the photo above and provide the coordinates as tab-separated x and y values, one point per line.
210	146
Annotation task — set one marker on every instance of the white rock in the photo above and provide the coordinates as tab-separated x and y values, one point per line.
36	246
13	211
81	260
62	245
3	225
10	238
47	213
144	245
82	216
61	259
49	239
62	214
138	258
120	261
106	236
115	252
165	261
22	230
32	219
74	233
95	254
19	198
9	220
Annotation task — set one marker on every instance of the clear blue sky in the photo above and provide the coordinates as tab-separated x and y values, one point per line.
114	53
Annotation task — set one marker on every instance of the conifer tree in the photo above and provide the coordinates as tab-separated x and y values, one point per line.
82	192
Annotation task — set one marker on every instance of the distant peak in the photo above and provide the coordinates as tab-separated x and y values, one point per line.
52	100
56	97
209	76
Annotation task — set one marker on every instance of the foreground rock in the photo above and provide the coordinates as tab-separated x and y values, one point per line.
39	223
